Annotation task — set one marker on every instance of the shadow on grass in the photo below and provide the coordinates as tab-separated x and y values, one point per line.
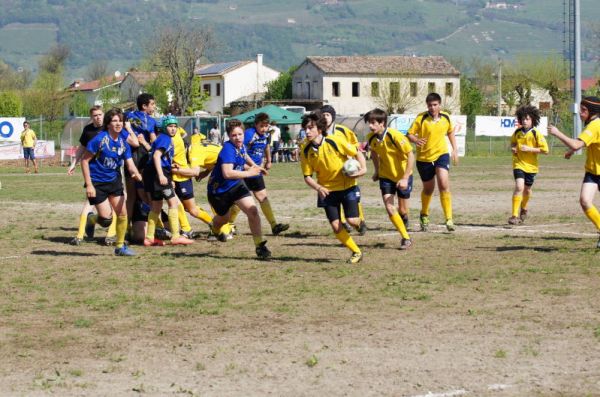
526	248
62	253
67	229
300	235
62	240
274	258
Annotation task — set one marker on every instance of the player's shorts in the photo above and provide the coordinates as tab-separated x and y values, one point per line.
28	153
348	198
184	190
140	211
255	184
221	203
154	188
388	186
528	176
427	168
106	189
591	178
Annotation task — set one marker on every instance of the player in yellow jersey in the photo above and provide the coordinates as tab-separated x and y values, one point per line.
526	143
393	160
341	130
589	112
325	155
28	141
429	132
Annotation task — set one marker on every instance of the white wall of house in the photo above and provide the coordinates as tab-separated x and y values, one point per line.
215	102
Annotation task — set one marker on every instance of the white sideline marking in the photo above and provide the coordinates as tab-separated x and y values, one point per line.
498	387
452	393
9	257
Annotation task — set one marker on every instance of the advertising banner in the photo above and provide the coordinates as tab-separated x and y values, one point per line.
503	126
11	128
14	151
402	123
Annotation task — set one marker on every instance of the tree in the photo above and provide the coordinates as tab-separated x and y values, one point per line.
395	94
159	88
471	99
281	87
177	50
78	105
97	70
199	97
11	104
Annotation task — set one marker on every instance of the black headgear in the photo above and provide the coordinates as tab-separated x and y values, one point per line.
329	109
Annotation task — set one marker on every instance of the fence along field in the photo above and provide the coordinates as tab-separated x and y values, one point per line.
488	310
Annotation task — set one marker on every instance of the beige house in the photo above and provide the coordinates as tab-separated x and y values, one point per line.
399	84
133	84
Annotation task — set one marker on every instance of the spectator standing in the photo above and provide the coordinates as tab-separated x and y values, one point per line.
28	141
214	135
275	141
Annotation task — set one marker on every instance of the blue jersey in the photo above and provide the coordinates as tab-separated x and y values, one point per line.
164	143
109	155
142	123
256	144
217	183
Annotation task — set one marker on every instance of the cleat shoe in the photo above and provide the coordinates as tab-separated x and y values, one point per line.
362	228
153	243
424	221
279	227
222	237
233	229
76	241
598	243
192	235
90	226
355	258
450	225
262	251
405	243
162	234
124	251
181	241
110	240
211	237
513	220
523	214
347	227
229	236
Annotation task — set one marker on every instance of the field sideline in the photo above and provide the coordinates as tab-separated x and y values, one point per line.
489	310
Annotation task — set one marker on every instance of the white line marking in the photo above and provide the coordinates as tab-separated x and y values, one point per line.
452	393
498	387
9	257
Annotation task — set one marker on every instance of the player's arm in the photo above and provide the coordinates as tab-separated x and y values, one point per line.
573	144
403	182
143	142
323	191
152	136
133	171
230	173
132	140
452	139
268	157
156	157
413	132
85	169
78	157
375	159
363	164
251	164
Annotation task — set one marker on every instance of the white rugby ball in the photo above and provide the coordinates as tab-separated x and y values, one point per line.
351	167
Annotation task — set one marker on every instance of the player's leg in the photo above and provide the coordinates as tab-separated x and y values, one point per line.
332	205
248	207
443	181
527	193
427	174
258	188
173	213
586	199
83	217
117	202
396	219
517	197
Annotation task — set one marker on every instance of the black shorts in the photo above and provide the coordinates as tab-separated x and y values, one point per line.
106	189
348	198
528	176
591	178
154	188
255	184
427	168
221	203
388	186
140	212
184	190
140	157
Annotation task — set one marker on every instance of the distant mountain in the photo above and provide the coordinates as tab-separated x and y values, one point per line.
286	31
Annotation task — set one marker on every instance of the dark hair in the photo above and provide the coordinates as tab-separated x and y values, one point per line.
261	117
143	99
108	116
25	122
317	118
377	115
592	104
233	124
531	111
433	97
94	108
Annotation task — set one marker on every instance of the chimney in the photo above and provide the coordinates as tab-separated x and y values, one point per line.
259	60
259	70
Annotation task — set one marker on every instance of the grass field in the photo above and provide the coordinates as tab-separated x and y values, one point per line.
489	310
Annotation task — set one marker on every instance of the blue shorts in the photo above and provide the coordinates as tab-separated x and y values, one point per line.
591	178
28	153
388	186
184	190
427	168
348	198
528	176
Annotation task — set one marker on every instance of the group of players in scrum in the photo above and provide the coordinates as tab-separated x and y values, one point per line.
160	167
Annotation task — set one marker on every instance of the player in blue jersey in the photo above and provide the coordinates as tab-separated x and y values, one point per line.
226	188
101	163
158	183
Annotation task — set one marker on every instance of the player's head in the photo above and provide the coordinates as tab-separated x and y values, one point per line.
169	125
316	124
113	120
261	122
376	119
329	113
589	108
235	131
528	116
434	103
97	115
26	124
145	103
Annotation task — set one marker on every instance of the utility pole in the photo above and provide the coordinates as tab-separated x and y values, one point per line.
499	87
577	76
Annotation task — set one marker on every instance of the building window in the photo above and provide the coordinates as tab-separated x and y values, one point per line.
375	88
394	91
449	89
335	88
430	87
355	89
206	89
308	93
218	89
413	89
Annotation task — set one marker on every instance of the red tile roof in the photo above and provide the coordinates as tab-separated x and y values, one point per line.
95	84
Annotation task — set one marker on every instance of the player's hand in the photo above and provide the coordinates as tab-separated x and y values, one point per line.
268	165
264	171
375	177
569	153
254	170
552	130
323	191
514	150
128	125
402	184
138	177
71	170
163	180
525	148
90	191
454	157
421	141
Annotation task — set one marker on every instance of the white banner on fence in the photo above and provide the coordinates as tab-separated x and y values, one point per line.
503	126
402	123
14	151
11	128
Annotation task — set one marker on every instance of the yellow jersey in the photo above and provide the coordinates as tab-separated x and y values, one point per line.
327	160
346	133
527	161
392	150
180	155
435	132
197	139
204	155
591	137
28	138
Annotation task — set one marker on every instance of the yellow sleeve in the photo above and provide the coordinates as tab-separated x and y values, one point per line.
588	136
450	125
347	147
405	145
304	165
542	144
415	128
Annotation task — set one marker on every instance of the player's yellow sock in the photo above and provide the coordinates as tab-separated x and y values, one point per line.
112	229
516	205
425	201
525	201
446	200
361	214
257	240
174	223
159	222
347	240
225	229
203	215
120	230
233	213
82	223
265	206
594	216
153	218
342	215
182	218
399	224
